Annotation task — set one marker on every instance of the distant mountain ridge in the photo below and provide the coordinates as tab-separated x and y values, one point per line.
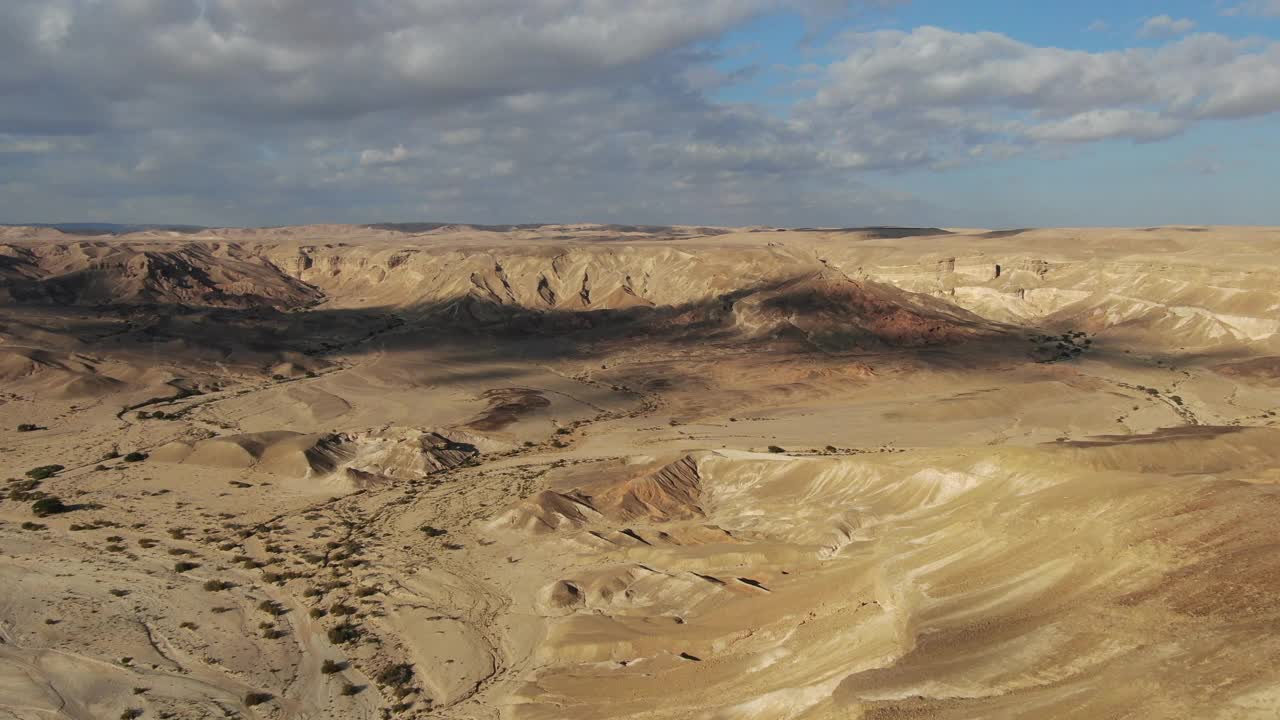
107	228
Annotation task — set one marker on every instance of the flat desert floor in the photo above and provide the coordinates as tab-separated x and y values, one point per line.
592	472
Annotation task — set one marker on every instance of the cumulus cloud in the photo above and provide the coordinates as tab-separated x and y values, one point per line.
256	112
303	58
1165	26
976	87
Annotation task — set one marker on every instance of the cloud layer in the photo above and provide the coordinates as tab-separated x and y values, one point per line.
242	111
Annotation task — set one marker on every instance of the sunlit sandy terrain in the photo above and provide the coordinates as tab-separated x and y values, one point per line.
593	472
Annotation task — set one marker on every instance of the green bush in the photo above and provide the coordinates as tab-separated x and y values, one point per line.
44	471
47	506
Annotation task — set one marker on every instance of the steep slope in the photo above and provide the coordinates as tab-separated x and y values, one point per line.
94	272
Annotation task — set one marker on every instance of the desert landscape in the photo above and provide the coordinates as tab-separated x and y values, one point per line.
598	471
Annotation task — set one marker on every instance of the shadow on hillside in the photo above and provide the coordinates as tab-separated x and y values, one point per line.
482	329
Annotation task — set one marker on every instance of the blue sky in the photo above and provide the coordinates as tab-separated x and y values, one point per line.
771	112
1217	173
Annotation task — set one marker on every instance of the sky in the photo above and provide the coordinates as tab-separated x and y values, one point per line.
838	113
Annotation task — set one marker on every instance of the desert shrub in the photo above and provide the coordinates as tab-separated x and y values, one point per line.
776	449
329	667
257	698
367	591
342	634
217	585
396	675
135	457
28	525
349	689
119	592
184	566
130	714
47	506
28	427
271	607
433	531
44	471
341	610
317	613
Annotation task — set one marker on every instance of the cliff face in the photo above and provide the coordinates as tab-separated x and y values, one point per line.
1190	287
1194	305
753	291
1167	285
100	272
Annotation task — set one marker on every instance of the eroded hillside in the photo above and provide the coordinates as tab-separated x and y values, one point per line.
586	471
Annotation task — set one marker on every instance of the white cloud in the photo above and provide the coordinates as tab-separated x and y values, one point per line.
378	157
1094	125
16	145
511	110
1099	26
1262	8
974	87
1165	26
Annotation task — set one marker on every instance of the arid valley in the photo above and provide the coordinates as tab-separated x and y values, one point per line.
595	471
